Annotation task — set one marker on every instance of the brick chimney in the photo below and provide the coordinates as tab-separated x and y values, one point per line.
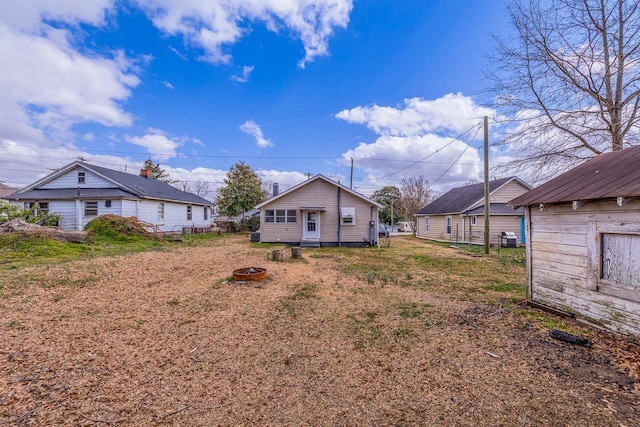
145	173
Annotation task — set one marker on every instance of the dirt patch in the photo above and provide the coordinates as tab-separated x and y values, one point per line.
166	338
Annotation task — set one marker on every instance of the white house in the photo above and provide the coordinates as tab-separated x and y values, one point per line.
79	192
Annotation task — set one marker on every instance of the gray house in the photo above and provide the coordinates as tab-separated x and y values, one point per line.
79	192
458	215
319	212
583	240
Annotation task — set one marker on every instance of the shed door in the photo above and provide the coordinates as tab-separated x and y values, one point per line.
311	230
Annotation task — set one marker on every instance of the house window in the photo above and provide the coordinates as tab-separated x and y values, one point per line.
474	220
348	216
189	212
448	224
281	216
206	213
82	177
43	208
161	211
269	215
90	208
426	224
107	203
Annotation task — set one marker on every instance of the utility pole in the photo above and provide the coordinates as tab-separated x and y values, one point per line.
487	236
351	182
391	217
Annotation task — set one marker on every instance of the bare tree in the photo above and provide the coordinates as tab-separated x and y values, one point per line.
201	188
183	185
414	194
570	80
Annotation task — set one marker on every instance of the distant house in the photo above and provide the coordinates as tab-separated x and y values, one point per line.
583	240
79	192
319	212
6	191
458	215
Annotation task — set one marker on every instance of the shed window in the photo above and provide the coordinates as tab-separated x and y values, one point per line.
90	208
474	220
206	213
189	212
426	224
448	222
43	208
107	203
82	177
348	216
160	211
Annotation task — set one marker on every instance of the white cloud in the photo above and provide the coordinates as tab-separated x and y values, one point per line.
243	77
47	84
416	116
214	24
160	145
252	128
419	137
168	85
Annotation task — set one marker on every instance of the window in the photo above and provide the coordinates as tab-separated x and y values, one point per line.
426	224
348	216
281	216
161	211
206	213
474	220
90	208
189	212
82	177
448	224
269	215
107	203
43	208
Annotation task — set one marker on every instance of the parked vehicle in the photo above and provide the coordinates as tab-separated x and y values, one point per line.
404	226
383	231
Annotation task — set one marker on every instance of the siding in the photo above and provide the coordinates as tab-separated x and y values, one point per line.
560	274
438	227
508	192
319	193
499	223
70	180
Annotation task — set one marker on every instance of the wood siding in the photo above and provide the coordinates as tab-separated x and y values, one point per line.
319	194
565	261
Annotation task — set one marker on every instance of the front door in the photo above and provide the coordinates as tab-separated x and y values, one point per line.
311	230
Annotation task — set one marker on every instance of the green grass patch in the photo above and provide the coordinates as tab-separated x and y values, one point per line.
296	301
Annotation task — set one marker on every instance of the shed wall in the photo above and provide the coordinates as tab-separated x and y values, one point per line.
565	261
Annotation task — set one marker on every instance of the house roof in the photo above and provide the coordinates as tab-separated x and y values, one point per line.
5	190
609	175
460	199
315	178
125	185
497	209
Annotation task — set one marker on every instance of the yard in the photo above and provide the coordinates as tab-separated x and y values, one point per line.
413	334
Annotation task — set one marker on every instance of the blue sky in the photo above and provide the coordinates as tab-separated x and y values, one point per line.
289	87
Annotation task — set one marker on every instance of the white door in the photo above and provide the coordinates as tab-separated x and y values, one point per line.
311	230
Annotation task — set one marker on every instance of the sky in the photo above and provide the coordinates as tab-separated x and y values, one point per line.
290	87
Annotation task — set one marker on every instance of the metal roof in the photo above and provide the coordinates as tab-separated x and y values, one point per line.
608	175
460	199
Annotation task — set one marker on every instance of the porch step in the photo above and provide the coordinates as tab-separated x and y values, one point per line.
309	244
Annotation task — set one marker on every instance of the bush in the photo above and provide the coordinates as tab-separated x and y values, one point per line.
31	215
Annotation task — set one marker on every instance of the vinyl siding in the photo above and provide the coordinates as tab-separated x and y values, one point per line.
70	180
319	193
508	192
499	223
564	261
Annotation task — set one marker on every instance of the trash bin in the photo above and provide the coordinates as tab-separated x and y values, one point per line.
508	239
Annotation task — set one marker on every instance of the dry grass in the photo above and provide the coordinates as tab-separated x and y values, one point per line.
416	334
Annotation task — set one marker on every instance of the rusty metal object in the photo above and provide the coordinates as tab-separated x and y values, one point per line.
250	274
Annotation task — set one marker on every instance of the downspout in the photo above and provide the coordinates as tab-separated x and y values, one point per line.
339	220
371	227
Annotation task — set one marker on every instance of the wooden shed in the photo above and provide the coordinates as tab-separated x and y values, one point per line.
583	240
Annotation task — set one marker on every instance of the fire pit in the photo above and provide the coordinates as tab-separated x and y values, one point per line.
250	274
